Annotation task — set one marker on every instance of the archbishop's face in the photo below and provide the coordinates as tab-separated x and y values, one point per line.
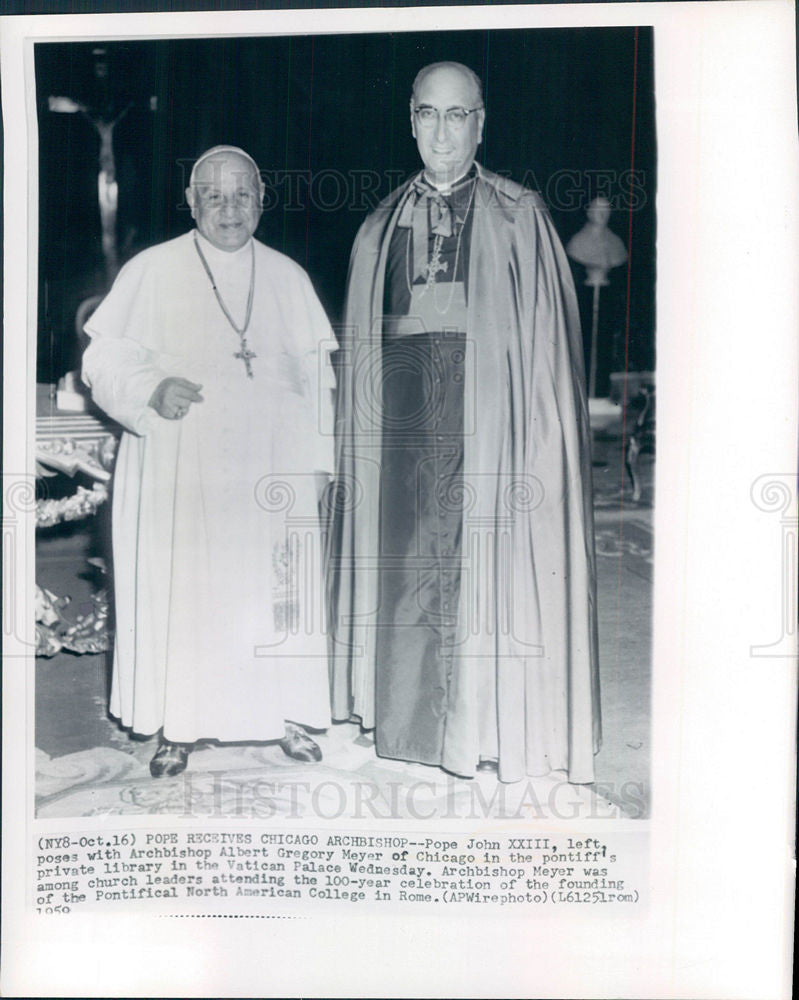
225	200
447	152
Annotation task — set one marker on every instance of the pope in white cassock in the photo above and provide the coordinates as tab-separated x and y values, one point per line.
211	350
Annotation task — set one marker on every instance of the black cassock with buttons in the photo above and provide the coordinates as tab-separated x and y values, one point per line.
422	471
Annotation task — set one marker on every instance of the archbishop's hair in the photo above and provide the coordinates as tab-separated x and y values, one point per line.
476	82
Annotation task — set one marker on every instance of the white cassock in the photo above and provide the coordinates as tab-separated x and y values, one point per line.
220	630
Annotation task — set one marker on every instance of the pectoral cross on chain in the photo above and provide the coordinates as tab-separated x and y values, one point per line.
245	355
436	263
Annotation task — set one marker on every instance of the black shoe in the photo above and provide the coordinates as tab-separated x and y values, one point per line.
298	745
488	765
170	759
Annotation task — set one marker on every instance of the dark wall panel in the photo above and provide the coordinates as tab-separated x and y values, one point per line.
326	117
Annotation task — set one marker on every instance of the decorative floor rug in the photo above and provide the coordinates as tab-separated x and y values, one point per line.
88	766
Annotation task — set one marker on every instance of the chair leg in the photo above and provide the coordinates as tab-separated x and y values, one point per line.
630	462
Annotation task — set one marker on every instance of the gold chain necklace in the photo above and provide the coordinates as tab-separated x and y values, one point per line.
245	354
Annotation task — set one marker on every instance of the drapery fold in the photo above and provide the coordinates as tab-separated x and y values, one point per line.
526	629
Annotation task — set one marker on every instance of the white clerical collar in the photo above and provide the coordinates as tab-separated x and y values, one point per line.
447	186
218	256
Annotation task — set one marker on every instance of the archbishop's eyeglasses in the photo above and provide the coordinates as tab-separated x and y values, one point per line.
455	118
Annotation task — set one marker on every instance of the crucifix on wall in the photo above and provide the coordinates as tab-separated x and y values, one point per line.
104	113
107	187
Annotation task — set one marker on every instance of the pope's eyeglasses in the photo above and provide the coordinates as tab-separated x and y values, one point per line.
454	118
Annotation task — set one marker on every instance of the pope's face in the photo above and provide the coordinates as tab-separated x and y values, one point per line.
447	152
225	200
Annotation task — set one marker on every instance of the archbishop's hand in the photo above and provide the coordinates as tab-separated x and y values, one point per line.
173	397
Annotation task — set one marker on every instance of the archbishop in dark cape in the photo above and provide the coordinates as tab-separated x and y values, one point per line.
463	602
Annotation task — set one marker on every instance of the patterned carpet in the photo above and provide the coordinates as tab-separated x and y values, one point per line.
259	781
88	766
625	568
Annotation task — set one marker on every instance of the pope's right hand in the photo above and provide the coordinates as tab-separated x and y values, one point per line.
173	397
